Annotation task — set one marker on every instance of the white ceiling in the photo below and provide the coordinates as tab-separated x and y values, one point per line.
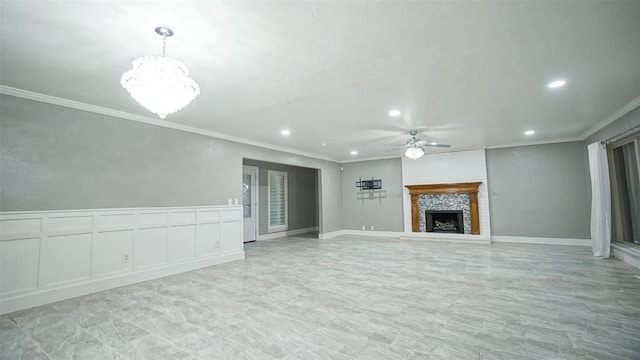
472	74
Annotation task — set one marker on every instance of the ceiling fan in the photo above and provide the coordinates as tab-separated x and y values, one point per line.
415	147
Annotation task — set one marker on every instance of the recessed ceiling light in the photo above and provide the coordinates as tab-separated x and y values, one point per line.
556	84
285	132
354	152
324	144
529	132
394	112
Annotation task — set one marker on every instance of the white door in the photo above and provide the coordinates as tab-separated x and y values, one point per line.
250	202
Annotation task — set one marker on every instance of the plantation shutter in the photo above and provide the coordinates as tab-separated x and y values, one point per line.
277	201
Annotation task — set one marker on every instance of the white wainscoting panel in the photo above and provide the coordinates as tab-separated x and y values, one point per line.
153	219
21	226
447	168
47	256
208	239
151	247
210	215
19	259
230	228
109	251
232	214
65	258
70	223
115	221
183	217
182	240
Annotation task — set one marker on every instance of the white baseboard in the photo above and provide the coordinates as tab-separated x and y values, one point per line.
411	236
627	254
629	259
286	233
331	234
47	296
458	238
391	234
447	237
541	240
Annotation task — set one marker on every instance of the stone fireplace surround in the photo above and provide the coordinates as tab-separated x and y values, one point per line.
445	202
417	193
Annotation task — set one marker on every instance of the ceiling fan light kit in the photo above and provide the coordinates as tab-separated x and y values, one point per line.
158	83
414	152
415	147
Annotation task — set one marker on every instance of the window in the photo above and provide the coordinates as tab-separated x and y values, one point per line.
625	189
278	199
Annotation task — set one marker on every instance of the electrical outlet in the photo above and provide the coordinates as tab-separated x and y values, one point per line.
364	227
371	227
125	258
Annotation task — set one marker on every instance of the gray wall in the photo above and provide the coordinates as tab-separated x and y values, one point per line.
53	157
302	195
539	191
383	209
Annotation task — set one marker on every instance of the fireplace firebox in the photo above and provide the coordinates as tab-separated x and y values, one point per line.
447	221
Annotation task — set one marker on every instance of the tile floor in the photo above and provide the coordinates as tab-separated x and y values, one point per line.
353	298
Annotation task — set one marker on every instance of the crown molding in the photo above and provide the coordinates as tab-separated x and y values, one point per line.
30	95
370	159
632	105
533	143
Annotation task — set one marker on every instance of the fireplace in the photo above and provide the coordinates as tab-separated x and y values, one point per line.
445	197
444	221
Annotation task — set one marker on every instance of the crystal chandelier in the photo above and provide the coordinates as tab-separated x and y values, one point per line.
414	152
160	84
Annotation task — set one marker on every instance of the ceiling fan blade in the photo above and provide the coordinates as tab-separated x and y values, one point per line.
396	149
437	145
415	142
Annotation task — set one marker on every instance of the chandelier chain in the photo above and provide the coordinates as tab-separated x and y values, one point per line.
164	45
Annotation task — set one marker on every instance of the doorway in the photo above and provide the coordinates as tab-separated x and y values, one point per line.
250	203
286	200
